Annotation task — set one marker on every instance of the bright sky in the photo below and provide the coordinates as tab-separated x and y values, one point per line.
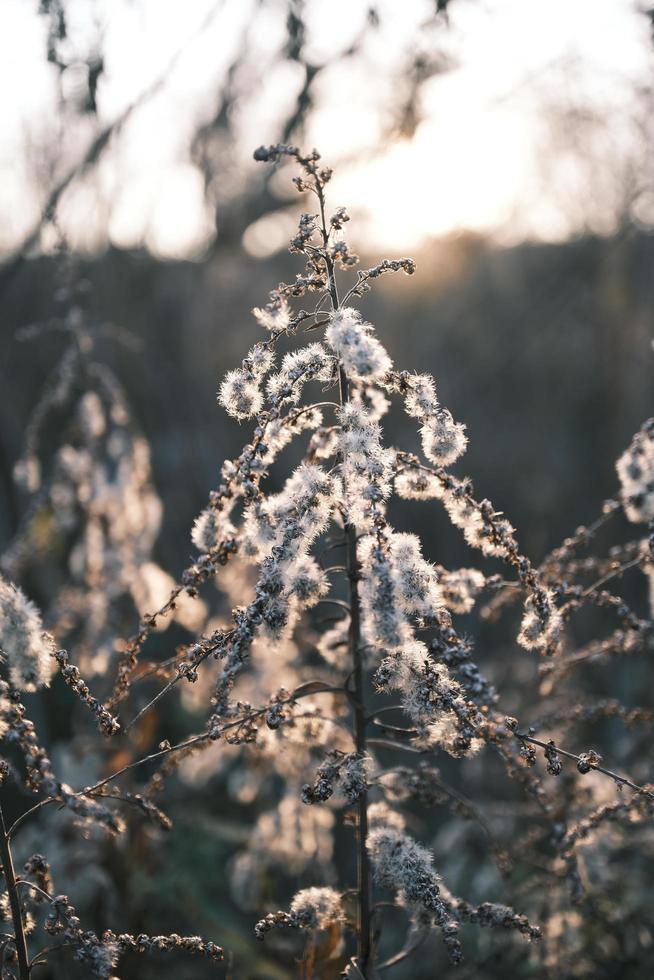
483	158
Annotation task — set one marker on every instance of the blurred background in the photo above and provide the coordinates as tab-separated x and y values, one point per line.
506	145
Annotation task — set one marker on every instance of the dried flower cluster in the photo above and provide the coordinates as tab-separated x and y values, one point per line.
340	658
24	644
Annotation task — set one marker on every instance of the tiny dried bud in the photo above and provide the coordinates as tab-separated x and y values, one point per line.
588	760
554	764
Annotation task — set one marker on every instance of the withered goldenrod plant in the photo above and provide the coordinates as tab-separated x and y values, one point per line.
341	674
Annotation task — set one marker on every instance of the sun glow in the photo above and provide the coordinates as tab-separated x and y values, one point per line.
484	156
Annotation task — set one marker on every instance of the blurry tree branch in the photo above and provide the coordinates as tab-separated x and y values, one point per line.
96	150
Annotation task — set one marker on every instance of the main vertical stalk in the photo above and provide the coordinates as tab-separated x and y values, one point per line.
364	914
364	923
14	901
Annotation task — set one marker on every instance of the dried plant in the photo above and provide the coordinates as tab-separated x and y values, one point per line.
341	659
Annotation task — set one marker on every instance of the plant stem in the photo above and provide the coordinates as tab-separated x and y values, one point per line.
363	861
14	901
364	915
615	776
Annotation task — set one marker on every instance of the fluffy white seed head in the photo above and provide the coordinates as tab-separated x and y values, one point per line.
431	697
293	518
211	528
260	360
366	467
443	439
445	733
305	580
487	543
465	516
317	908
542	622
385	624
274	317
353	341
417	579
412	483
24	645
239	394
280	432
420	400
400	669
308	363
406	867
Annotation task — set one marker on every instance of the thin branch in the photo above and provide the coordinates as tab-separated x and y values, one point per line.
616	777
14	901
35	887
